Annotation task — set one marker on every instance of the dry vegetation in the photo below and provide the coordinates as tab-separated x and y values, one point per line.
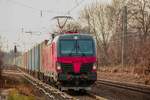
17	88
130	74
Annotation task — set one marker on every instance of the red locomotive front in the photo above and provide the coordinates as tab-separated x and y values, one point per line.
73	58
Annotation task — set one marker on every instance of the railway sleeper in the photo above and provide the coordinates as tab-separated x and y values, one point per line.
62	88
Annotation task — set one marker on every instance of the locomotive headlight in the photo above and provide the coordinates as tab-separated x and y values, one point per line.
94	67
58	67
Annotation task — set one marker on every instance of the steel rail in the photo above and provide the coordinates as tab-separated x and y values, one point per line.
96	97
133	87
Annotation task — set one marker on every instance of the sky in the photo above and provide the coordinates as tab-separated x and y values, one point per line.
19	16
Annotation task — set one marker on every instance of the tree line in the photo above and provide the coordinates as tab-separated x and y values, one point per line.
106	23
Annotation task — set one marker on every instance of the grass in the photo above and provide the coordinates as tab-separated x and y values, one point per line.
15	95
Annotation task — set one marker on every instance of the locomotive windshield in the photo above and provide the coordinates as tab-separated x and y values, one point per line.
67	46
80	47
85	47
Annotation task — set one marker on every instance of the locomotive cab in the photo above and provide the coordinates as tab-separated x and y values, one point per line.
76	58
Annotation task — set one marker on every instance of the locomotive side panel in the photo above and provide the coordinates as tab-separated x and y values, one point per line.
42	56
24	60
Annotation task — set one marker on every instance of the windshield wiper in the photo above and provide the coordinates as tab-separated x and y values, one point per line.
79	49
70	54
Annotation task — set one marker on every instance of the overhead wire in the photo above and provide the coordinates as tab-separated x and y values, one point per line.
22	4
47	10
33	8
73	8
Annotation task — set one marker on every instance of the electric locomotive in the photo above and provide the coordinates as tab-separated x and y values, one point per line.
70	61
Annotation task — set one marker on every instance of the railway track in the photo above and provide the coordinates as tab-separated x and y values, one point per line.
132	87
55	94
51	92
85	95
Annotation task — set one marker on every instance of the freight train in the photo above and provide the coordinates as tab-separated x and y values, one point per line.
68	61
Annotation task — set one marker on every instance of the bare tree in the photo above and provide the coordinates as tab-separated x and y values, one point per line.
73	27
102	21
140	17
